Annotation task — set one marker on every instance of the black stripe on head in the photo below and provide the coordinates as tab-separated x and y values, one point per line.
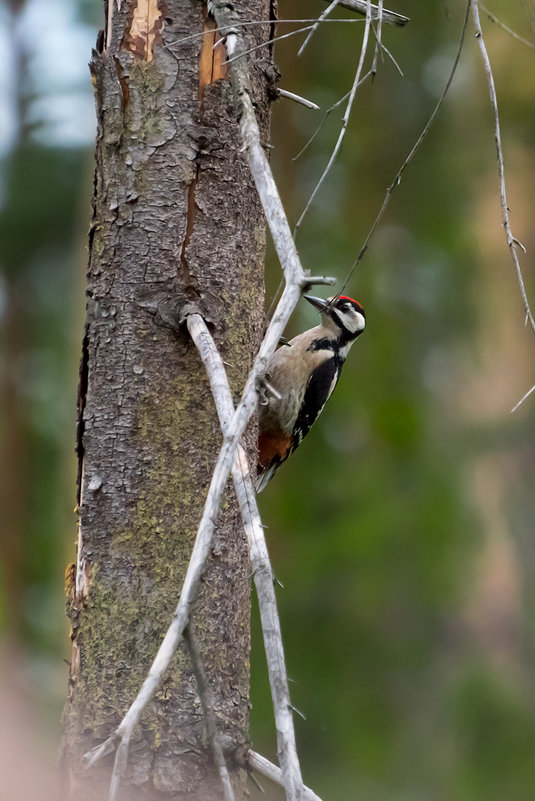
339	301
348	315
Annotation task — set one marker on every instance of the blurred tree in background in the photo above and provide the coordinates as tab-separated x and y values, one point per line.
44	197
401	529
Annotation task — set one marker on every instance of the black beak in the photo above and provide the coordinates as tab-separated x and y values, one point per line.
318	303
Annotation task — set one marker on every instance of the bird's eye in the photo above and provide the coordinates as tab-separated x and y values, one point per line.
346	307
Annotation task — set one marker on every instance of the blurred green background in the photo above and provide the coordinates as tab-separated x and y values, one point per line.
402	528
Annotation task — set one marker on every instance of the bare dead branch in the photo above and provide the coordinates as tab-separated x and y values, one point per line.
298	99
345	119
207	703
512	242
316	280
272	772
102	750
262	572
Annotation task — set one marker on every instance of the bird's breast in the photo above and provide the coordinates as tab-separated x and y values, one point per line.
289	373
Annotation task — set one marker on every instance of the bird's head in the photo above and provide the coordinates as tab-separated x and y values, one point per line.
344	316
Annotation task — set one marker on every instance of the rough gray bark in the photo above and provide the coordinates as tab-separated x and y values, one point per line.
176	219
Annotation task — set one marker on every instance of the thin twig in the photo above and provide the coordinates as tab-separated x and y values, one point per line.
207	703
238	24
317	280
512	242
270	771
298	99
324	120
390	55
345	119
412	152
267	42
361	7
323	16
384	49
262	572
523	398
501	24
378	38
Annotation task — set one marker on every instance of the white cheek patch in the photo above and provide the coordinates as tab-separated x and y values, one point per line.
360	322
353	321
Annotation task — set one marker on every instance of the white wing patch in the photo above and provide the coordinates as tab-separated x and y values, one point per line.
330	392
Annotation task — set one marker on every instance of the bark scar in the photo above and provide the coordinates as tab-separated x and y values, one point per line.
123	83
191	212
212	66
145	29
80	405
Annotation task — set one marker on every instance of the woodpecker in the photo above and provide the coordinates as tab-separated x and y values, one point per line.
304	372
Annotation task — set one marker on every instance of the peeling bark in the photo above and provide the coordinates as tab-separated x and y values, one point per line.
175	218
144	29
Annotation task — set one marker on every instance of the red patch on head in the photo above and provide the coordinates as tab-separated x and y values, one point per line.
351	300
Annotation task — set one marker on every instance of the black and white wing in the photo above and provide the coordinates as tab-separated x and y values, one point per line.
319	389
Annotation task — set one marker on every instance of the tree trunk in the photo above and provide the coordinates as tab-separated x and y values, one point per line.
176	220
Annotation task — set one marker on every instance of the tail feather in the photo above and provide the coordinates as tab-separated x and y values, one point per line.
265	475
